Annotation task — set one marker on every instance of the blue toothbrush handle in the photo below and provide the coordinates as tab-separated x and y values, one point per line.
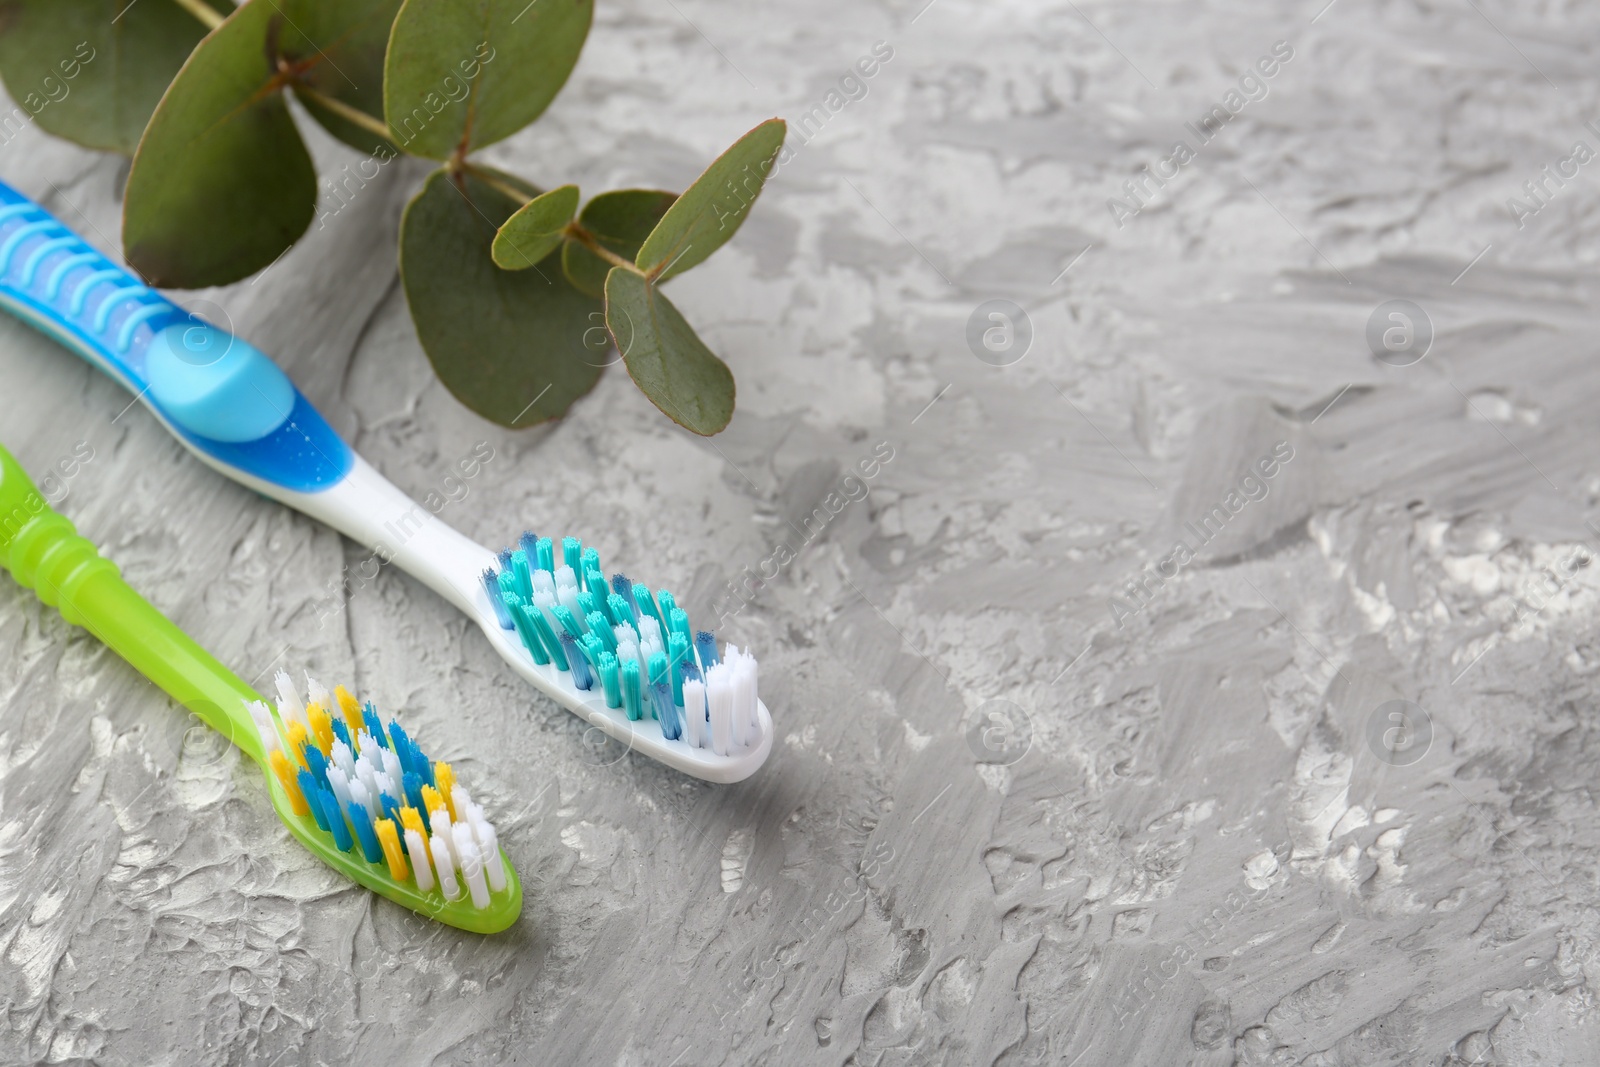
218	393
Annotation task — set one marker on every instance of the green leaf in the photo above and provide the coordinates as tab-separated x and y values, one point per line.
517	347
620	220
710	211
92	71
338	48
535	230
221	184
467	73
673	367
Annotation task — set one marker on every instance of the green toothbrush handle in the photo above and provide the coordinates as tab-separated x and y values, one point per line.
43	551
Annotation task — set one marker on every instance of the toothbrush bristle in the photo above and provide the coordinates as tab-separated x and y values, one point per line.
376	795
635	647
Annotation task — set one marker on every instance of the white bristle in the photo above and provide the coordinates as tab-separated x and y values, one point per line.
391	767
367	776
650	638
544	582
461	801
694	712
719	693
443	863
744	692
419	860
261	715
494	865
340	784
567	595
471	865
289	707
364	743
441	824
343	759
361	794
316	692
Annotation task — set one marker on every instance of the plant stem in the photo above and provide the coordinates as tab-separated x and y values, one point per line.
354	115
201	11
490	180
585	237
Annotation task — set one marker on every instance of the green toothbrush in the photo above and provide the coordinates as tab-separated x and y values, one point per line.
362	798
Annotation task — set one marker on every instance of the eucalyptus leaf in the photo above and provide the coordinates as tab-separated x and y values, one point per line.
92	71
517	347
337	49
711	210
535	230
620	221
462	74
221	184
665	357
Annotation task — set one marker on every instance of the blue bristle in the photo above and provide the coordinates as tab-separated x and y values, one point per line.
402	744
424	766
391	810
580	666
329	805
705	643
369	717
529	543
520	615
621	586
661	697
572	553
646	602
678	652
631	697
491	585
568	622
610	680
341	732
668	604
365	833
318	764
621	610
523	570
598	625
504	556
547	634
310	788
411	782
546	555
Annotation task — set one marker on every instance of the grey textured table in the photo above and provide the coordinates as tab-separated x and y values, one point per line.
1194	834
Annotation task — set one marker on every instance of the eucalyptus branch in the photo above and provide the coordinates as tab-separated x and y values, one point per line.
201	11
580	233
457	163
350	114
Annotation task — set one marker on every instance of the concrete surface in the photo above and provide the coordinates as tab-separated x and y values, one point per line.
1047	790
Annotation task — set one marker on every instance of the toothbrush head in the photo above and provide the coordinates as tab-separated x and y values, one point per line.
362	795
664	687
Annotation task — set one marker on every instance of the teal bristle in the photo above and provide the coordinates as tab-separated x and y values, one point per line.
568	621
610	681
586	605
678	652
678	623
592	646
507	581
599	626
591	562
620	612
547	555
572	553
646	602
668	605
547	633
623	589
365	833
631	697
595	586
524	573
526	630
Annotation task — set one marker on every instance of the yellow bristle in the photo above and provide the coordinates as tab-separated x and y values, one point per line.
297	743
286	778
410	819
446	778
351	709
321	728
389	839
431	799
